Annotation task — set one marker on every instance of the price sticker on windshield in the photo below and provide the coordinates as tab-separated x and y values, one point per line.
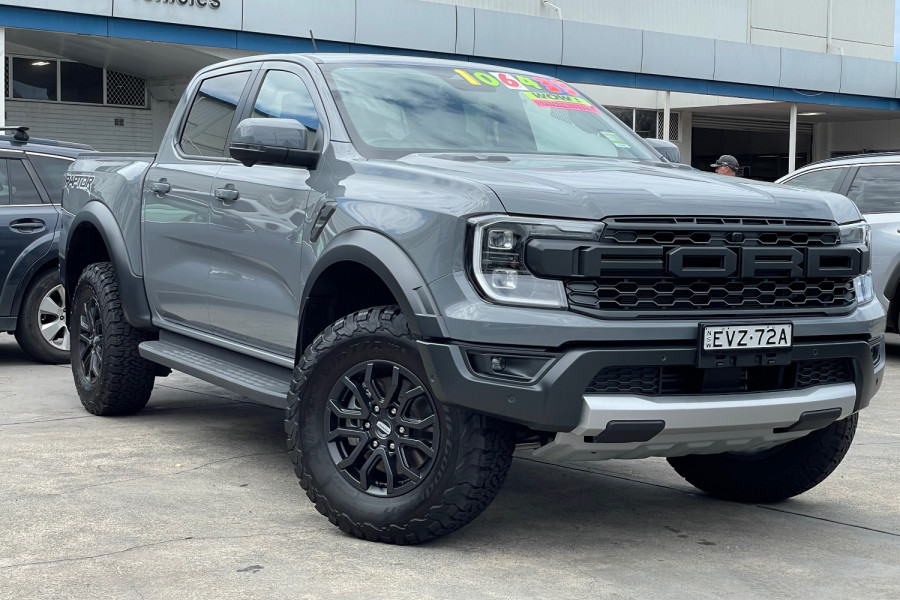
561	101
747	337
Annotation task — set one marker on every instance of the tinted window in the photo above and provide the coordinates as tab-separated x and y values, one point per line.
209	120
51	171
876	189
283	95
821	179
19	188
81	83
34	79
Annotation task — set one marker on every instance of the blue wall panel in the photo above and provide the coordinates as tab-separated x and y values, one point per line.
678	55
465	30
518	37
743	63
810	70
408	24
601	47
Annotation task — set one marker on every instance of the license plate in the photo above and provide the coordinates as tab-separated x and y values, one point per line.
747	337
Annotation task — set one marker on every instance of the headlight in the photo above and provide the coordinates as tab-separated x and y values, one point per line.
857	233
498	258
865	290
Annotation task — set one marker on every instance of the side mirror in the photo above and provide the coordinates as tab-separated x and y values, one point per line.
272	141
668	150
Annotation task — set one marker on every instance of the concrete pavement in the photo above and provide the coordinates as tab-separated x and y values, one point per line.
195	498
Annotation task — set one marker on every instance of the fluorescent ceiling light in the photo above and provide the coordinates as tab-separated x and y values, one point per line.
40	63
810	114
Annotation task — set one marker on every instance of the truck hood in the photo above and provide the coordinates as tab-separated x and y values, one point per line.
595	188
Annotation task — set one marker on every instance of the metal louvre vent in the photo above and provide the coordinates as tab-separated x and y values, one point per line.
125	90
771	267
655	380
746	124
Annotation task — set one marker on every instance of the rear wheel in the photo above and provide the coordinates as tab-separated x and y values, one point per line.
110	375
376	451
41	327
771	475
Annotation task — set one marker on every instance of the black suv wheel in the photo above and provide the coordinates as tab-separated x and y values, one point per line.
41	327
110	375
375	450
770	475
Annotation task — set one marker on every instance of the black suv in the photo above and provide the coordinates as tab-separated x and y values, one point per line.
32	302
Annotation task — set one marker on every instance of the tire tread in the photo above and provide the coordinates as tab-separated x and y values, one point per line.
482	462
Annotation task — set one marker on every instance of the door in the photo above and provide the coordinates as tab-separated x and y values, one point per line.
27	222
256	225
177	195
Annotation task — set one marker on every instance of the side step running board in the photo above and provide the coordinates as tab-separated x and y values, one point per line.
259	380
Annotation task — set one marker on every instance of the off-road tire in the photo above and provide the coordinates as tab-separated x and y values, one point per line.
771	475
472	452
33	314
110	375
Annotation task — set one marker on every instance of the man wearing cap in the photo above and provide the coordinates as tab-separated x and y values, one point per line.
726	165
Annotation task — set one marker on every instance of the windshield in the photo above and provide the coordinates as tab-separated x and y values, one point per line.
390	110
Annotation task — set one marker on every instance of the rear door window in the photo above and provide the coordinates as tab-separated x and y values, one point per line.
876	189
820	179
209	121
20	186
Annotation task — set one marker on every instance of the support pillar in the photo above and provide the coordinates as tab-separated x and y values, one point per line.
792	143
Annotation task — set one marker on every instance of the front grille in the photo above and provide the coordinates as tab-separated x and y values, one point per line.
654	265
715	294
657	380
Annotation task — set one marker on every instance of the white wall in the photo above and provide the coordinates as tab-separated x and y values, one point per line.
86	124
872	136
863	28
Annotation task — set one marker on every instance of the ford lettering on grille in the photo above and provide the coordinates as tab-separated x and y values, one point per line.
552	258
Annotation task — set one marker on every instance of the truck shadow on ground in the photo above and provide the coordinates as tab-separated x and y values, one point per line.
539	501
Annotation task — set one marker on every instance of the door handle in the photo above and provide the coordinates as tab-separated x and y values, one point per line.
27	225
161	187
227	194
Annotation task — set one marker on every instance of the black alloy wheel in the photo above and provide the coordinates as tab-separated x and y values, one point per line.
376	450
110	375
382	428
90	340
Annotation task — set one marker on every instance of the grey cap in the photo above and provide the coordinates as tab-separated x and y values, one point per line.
726	160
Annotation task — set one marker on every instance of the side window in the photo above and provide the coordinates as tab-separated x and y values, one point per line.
209	120
52	172
876	189
21	187
822	179
283	95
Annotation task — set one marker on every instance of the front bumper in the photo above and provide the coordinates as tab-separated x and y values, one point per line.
558	401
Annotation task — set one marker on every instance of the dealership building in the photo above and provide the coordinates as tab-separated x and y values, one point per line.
777	84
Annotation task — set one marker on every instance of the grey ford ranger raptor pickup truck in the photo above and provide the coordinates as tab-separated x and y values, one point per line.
426	262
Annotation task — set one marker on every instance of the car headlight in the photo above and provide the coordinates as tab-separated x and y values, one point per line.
498	257
856	233
864	289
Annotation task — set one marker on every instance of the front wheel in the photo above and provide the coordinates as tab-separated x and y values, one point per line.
376	452
771	475
110	375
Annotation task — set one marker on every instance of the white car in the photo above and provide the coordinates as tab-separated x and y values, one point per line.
872	181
